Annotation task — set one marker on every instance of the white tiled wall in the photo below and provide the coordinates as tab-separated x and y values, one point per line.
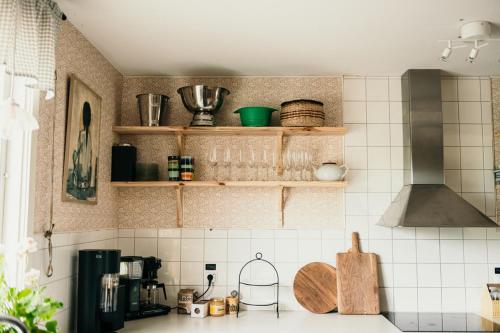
63	283
184	253
425	269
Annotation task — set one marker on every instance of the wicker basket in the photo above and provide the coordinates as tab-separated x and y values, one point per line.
302	113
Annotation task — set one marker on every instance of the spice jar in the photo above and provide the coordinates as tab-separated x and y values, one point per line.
187	168
232	305
173	168
217	307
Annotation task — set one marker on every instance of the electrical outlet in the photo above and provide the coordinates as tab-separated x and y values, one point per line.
211	269
214	276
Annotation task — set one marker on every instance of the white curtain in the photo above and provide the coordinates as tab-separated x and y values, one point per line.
30	28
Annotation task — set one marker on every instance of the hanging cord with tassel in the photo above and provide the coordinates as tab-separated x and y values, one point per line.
48	233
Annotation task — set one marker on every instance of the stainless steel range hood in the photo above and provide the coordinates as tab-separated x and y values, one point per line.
424	200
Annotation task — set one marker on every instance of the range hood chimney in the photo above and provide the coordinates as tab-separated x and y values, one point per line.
424	200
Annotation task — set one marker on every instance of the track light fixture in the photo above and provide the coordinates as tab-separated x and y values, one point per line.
473	53
446	52
477	32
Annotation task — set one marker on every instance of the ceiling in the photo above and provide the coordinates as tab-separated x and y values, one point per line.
283	37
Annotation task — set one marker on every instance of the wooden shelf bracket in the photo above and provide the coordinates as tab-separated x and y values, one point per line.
283	197
180	143
180	206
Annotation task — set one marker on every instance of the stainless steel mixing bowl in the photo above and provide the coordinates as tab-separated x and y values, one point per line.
203	102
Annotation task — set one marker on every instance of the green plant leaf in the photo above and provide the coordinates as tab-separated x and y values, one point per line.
51	326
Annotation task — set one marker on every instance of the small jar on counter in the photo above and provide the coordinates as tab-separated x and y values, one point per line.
217	307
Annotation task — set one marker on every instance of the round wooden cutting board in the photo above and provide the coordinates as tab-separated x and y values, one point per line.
315	287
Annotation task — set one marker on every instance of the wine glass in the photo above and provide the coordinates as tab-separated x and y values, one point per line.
226	162
213	163
264	163
274	165
240	163
308	167
297	165
252	163
287	165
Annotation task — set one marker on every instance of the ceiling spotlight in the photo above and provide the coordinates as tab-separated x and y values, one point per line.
473	53
446	52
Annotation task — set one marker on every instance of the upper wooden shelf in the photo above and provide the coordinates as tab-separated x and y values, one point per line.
204	183
228	130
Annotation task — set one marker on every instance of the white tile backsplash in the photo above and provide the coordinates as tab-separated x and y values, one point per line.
377	89
469	90
429	275
354	89
377	112
470	112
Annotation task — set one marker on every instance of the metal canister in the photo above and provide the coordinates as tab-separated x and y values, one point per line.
174	168
232	305
217	307
185	299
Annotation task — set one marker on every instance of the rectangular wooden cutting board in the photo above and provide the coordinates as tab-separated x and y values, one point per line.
357	281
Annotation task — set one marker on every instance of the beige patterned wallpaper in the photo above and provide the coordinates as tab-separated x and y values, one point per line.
495	105
232	207
75	54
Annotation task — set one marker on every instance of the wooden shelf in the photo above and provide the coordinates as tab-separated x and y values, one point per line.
228	130
197	183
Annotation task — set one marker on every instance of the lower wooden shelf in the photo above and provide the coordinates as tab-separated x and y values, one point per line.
207	183
281	185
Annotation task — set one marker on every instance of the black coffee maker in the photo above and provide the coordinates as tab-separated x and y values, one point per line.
142	295
100	295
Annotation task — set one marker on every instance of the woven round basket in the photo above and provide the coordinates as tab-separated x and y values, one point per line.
302	113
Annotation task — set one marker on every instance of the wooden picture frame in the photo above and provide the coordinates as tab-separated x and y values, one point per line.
81	148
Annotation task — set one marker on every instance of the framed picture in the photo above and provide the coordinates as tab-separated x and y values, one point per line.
81	150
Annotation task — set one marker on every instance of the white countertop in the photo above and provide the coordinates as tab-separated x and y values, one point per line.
263	322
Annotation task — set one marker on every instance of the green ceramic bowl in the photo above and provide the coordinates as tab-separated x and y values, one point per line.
255	116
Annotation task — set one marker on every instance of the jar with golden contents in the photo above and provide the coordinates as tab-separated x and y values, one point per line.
217	307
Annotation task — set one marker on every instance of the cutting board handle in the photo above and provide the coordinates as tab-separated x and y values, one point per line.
355	243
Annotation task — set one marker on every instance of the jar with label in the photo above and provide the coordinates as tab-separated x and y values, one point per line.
232	305
217	307
187	168
174	168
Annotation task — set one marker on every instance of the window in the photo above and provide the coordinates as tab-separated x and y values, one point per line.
16	180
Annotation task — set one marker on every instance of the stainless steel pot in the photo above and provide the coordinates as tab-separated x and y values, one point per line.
203	102
152	108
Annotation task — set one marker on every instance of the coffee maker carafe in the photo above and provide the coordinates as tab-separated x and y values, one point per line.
139	276
100	295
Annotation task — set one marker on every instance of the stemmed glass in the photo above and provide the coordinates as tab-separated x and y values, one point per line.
287	165
308	168
240	163
213	163
252	164
274	165
297	164
226	162
263	165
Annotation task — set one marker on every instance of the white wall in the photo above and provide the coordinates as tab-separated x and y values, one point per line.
63	283
425	269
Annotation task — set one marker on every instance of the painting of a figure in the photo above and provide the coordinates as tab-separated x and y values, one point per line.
82	143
